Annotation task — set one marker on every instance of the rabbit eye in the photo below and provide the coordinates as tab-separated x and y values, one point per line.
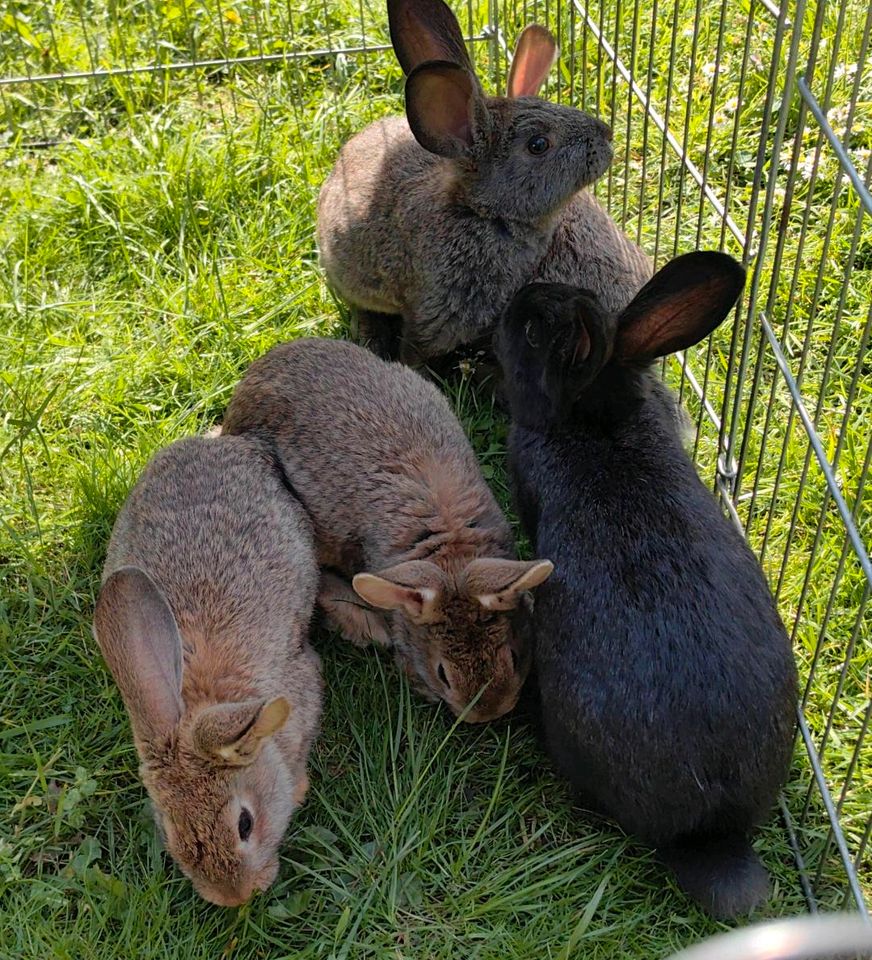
538	145
246	822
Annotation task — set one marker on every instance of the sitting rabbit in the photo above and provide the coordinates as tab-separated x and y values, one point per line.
416	553
665	675
203	619
439	217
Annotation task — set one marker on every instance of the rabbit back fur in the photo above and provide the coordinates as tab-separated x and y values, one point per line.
665	675
416	552
212	554
375	453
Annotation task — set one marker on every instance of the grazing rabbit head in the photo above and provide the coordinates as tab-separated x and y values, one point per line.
517	157
222	794
559	347
454	633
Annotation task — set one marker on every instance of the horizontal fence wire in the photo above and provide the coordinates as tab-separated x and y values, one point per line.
209	64
744	127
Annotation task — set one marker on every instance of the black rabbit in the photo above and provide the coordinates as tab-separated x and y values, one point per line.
666	682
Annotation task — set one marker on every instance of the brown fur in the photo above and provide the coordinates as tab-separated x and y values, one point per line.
442	223
393	488
208	591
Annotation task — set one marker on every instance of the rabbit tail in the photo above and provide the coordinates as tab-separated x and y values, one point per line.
722	873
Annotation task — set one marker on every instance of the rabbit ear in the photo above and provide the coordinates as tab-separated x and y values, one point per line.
140	642
569	339
592	334
424	30
679	306
535	54
417	587
498	584
442	107
233	732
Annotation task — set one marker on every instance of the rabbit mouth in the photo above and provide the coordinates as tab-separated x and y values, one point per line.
227	897
236	896
487	712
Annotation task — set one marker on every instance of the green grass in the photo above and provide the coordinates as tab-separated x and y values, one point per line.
145	260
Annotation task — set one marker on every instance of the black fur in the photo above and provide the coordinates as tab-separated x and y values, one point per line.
665	674
380	332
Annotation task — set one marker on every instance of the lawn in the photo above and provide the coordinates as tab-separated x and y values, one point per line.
157	236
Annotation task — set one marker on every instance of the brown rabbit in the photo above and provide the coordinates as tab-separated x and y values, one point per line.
203	619
431	222
403	519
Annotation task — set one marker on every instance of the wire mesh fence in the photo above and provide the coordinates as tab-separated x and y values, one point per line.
743	126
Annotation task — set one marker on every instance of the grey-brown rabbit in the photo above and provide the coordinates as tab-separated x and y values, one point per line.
439	217
203	618
416	553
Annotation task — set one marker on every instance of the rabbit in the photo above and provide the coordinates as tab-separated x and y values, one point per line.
203	616
429	223
665	677
415	553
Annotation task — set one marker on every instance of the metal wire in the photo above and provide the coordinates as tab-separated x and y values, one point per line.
777	399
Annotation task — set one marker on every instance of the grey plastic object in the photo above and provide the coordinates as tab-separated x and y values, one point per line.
802	938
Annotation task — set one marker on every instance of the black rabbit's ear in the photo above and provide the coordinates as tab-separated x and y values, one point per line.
590	345
563	323
679	306
424	30
578	345
583	344
443	108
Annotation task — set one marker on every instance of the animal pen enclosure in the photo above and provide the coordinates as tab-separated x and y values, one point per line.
740	125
